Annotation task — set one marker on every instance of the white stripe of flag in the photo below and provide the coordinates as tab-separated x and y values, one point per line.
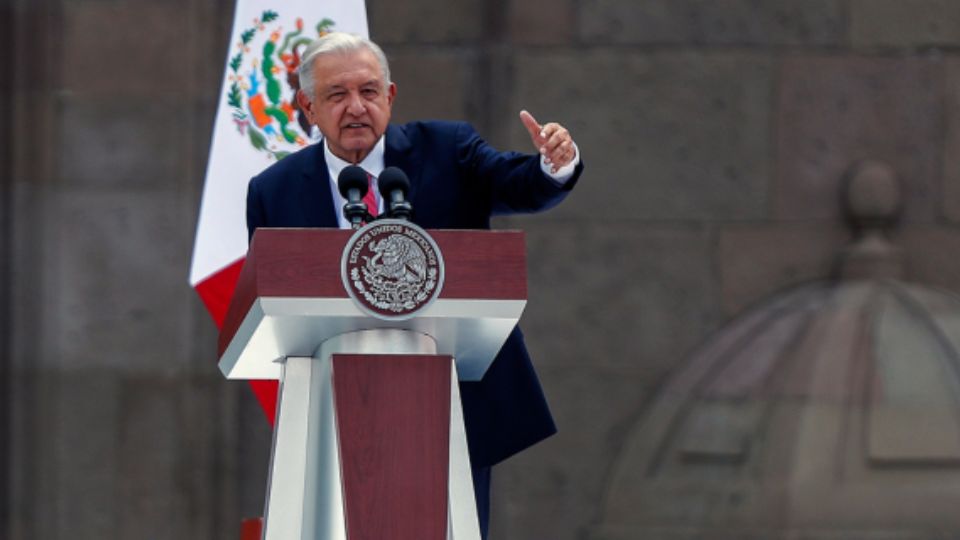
255	125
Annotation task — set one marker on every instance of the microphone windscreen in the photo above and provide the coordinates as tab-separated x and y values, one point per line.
352	177
393	179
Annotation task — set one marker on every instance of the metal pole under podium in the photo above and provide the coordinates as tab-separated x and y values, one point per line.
369	439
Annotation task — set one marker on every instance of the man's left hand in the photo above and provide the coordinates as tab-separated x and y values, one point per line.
552	140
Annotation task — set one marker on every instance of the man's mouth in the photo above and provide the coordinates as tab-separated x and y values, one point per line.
355	126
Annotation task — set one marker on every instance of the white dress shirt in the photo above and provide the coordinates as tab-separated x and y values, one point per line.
373	164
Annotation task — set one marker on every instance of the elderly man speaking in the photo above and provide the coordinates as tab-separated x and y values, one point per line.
457	182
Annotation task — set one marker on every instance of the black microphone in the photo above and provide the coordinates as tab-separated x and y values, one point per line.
394	186
353	185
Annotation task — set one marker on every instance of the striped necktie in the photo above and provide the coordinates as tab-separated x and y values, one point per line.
370	199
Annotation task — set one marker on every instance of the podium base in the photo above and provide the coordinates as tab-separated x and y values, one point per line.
369	441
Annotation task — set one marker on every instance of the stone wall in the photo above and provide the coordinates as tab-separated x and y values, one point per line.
715	133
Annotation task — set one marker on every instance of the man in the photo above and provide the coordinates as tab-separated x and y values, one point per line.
457	181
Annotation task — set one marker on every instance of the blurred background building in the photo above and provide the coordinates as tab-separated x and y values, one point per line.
713	372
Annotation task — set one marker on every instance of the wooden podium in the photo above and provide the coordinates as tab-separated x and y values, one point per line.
369	440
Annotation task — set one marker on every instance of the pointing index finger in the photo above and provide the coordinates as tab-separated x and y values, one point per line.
532	126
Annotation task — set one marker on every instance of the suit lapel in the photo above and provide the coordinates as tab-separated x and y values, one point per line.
401	153
317	201
315	198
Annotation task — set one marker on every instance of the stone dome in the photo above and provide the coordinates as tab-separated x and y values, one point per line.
830	411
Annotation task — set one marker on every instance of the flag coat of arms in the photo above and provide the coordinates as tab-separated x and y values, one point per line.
257	123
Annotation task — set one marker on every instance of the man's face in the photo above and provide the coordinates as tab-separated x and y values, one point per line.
351	102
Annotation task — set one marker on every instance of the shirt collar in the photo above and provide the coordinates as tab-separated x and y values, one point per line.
373	163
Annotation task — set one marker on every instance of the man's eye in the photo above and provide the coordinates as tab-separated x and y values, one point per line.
370	92
336	96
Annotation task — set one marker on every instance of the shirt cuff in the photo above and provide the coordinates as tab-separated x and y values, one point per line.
565	173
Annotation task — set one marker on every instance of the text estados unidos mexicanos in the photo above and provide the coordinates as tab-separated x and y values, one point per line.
391	228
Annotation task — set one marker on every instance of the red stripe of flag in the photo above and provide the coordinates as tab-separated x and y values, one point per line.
216	292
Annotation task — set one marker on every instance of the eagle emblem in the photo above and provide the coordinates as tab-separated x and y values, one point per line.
262	84
392	269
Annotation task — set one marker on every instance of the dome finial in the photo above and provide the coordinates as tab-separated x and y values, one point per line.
873	204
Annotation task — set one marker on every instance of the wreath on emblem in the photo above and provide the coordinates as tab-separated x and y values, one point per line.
272	122
397	277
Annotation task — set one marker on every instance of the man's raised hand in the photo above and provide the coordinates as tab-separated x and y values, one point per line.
552	140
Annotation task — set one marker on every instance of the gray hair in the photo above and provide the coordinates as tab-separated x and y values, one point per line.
337	43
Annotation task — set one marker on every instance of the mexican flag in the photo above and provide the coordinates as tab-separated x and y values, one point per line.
257	123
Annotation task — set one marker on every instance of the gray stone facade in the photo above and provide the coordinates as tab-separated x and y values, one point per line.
716	134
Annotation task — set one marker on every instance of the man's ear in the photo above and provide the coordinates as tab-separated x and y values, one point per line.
303	100
391	92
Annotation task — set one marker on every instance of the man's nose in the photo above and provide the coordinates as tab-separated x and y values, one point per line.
356	106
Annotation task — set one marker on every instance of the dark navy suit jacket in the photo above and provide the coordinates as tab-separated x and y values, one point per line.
457	181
